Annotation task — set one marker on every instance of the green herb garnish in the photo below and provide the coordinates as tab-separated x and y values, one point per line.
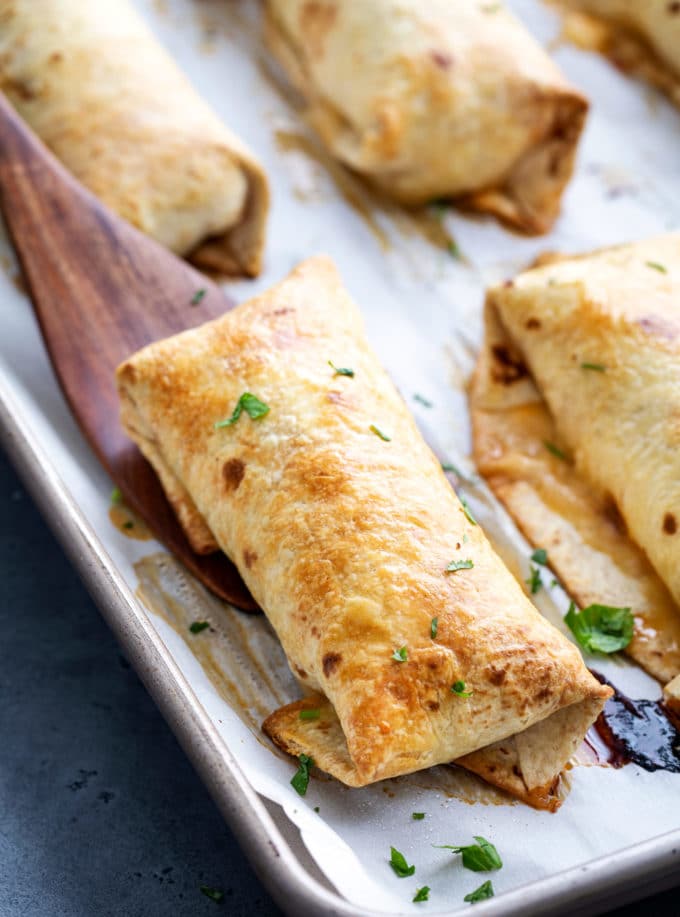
198	296
467	510
453	250
423	894
128	524
383	436
249	403
310	713
601	628
596	367
661	268
434	625
399	864
215	894
400	655
417	816
554	450
540	556
421	399
316	809
116	495
198	626
459	565
534	581
479	894
479	857
300	780
341	370
458	688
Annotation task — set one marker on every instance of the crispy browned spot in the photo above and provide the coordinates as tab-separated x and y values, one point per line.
330	663
233	472
249	558
507	368
533	323
433	705
670	524
316	19
441	59
497	676
301	672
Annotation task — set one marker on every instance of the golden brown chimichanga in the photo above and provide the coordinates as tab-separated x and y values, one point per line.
641	37
444	99
584	355
99	90
342	524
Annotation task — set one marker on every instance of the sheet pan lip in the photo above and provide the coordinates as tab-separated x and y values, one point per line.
617	878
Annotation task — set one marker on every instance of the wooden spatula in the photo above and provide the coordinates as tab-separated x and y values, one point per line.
102	290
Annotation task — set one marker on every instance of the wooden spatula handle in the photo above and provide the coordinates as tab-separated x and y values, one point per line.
101	290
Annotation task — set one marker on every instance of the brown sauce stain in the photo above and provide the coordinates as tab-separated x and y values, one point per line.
368	204
242	658
128	523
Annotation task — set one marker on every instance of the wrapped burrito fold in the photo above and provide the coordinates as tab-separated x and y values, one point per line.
319	487
99	90
576	420
448	98
641	38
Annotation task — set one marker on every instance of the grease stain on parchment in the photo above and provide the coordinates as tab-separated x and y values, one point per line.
128	522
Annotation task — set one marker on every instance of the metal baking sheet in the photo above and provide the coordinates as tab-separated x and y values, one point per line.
617	834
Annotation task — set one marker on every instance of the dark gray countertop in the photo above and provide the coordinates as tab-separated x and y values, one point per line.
100	812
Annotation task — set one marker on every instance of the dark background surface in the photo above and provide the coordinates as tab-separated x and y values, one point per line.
100	811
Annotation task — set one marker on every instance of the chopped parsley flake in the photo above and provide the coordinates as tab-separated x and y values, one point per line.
198	626
198	296
300	780
453	250
534	581
215	894
661	268
116	495
399	864
479	894
128	524
417	816
421	399
310	713
434	625
400	655
249	403
601	628
459	565
467	510
423	894
540	556
383	436
458	688
554	450
479	857
596	367
341	370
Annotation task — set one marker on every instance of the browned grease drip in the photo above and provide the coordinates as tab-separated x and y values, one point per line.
240	654
637	731
425	222
128	523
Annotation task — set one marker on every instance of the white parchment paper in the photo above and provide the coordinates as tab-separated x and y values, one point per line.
423	314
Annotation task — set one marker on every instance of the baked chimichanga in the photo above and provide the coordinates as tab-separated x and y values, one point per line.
641	37
576	420
386	596
98	89
444	98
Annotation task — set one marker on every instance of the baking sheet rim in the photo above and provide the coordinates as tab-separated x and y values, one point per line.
618	878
